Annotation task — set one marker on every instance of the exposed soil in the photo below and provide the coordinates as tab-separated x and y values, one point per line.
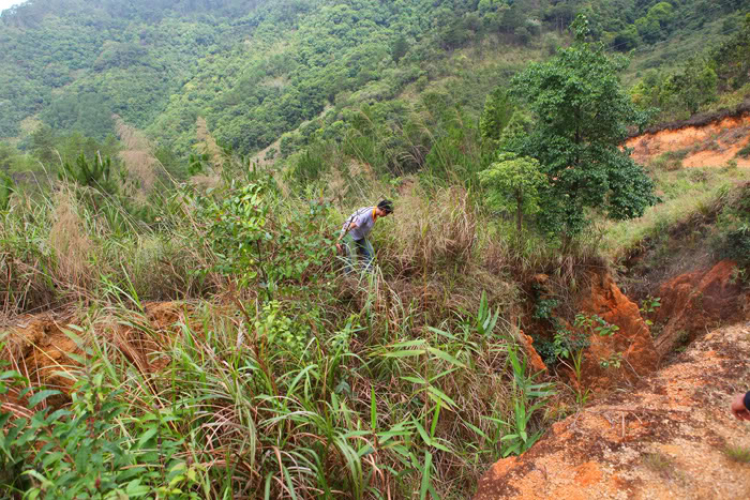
696	302
631	344
43	347
665	439
633	341
702	144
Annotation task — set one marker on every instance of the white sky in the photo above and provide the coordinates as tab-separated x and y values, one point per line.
6	4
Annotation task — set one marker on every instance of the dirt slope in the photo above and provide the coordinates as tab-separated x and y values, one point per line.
663	439
42	348
709	145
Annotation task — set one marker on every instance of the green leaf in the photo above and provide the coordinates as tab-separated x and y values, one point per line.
426	475
41	396
404	354
441	396
151	432
445	357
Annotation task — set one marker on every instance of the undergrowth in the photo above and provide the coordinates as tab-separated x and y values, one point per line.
283	377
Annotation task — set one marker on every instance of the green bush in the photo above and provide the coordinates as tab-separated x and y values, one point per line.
744	152
95	447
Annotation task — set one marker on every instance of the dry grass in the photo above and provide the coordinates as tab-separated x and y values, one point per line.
73	247
431	233
659	463
138	157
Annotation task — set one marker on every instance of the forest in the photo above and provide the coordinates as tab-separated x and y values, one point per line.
176	320
257	70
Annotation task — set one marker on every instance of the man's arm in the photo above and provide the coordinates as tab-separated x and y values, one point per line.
346	229
741	406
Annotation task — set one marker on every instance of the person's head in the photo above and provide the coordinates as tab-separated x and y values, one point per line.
385	207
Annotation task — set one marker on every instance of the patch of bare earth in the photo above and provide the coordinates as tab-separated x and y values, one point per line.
712	144
45	348
664	439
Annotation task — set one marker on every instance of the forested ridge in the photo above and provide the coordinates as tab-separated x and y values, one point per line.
256	70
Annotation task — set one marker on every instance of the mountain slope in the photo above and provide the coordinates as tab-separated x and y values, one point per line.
256	69
79	62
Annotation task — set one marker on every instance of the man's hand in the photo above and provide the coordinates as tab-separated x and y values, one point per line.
339	248
738	408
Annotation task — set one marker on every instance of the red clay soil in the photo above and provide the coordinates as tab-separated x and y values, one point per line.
533	357
696	302
39	348
705	145
633	341
664	439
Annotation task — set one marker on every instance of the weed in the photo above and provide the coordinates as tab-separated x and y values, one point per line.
545	308
595	324
649	306
670	161
737	453
659	463
682	340
614	361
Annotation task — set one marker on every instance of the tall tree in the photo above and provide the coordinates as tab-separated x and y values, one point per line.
582	116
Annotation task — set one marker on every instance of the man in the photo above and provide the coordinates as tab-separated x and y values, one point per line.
356	229
741	406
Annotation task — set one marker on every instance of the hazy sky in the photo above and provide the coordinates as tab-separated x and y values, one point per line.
4	4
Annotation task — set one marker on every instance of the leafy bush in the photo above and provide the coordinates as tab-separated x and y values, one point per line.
263	244
94	447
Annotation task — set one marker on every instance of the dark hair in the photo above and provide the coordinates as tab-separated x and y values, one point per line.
386	206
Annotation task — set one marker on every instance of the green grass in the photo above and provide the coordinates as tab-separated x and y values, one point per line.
685	193
737	453
317	386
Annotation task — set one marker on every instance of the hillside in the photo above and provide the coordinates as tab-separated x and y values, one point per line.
256	70
670	436
306	249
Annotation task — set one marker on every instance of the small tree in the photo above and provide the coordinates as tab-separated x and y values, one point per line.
496	115
513	183
97	174
696	84
7	187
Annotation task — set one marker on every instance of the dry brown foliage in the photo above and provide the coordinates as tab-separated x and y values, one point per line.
69	238
431	232
137	157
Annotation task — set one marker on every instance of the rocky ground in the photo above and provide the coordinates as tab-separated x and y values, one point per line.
671	435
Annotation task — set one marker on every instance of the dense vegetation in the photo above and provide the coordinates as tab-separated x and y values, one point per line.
700	81
129	181
255	70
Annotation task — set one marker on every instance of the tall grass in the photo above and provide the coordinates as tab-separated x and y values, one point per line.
242	410
56	249
403	383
